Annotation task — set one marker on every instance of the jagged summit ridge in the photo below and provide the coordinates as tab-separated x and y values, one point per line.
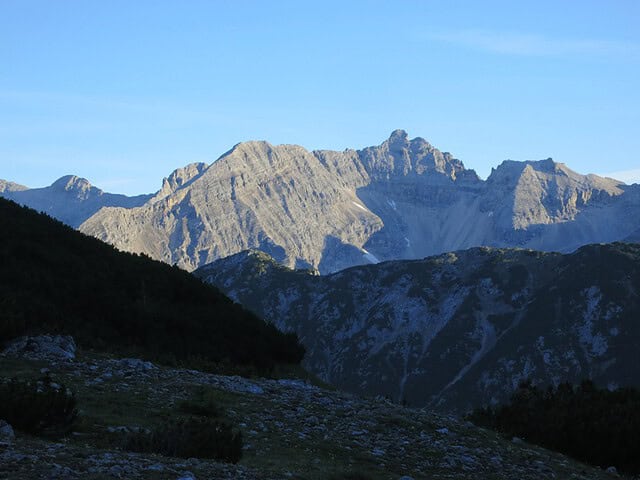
180	178
72	182
329	210
301	207
400	156
6	186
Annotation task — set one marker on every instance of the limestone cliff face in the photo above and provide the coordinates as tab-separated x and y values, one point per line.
330	210
545	192
279	199
306	209
6	186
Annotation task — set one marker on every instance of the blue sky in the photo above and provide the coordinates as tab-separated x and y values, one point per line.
123	92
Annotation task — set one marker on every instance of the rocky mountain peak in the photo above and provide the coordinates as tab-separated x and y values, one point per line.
516	173
253	147
544	192
399	156
398	140
330	210
72	183
180	178
6	186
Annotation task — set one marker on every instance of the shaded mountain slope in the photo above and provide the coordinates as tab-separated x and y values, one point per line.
456	330
53	278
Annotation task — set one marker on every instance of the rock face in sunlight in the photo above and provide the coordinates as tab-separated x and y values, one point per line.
10	187
330	210
456	330
70	199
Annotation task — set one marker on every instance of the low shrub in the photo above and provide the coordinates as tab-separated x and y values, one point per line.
202	403
197	437
39	407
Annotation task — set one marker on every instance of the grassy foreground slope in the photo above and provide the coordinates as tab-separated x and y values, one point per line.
55	279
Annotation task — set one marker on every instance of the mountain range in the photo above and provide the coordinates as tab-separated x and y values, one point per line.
329	210
70	199
458	330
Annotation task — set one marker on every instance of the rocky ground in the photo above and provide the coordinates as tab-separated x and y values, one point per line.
291	429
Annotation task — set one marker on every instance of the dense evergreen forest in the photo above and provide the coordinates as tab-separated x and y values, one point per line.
55	279
594	425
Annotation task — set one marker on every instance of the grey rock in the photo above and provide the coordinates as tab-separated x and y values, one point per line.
70	199
457	330
135	364
42	347
6	432
186	476
63	473
116	471
255	389
7	187
326	210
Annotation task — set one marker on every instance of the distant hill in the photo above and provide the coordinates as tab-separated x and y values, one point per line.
55	279
69	199
457	330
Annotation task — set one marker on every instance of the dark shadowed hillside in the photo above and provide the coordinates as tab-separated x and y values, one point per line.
459	329
55	279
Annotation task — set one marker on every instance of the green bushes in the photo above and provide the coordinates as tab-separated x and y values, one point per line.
593	425
200	437
38	407
202	434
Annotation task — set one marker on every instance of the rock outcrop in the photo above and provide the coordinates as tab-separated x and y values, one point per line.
42	347
457	330
6	186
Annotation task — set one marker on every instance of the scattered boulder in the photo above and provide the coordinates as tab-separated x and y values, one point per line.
135	364
42	347
186	476
6	432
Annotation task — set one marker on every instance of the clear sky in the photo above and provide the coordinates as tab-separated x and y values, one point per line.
124	92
